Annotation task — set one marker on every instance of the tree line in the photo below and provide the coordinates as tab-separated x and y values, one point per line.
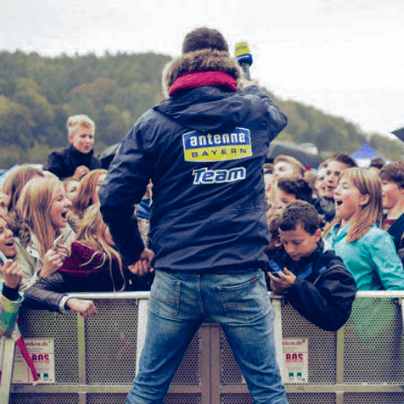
38	94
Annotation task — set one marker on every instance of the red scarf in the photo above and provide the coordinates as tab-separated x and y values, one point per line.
201	79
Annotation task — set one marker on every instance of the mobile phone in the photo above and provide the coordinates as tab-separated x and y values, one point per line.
57	241
274	268
3	258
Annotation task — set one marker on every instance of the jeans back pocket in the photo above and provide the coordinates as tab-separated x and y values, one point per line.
165	295
246	298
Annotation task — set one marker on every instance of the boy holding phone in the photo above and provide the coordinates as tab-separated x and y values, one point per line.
314	280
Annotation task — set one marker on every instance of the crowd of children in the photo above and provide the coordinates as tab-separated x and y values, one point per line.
52	236
333	232
362	213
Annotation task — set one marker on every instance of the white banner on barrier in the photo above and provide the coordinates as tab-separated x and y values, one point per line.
295	360
42	352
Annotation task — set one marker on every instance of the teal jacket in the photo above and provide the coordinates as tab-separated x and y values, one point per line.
8	312
372	260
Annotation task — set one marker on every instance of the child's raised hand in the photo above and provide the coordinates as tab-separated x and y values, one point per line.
53	260
12	274
281	283
62	251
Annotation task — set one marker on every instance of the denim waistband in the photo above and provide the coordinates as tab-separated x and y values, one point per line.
211	273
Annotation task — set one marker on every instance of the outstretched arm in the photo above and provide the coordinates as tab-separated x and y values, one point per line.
10	300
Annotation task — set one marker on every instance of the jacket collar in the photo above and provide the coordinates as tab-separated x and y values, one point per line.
305	261
205	60
338	234
78	154
189	81
33	248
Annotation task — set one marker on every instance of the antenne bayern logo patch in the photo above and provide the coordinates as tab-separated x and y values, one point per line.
217	146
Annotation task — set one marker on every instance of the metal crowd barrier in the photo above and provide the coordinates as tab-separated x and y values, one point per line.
96	360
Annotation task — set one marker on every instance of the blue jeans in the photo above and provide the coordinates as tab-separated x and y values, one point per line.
180	303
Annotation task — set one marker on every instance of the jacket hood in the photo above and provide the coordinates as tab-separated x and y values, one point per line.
204	60
205	108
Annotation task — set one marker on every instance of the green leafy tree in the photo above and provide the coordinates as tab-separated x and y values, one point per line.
111	125
17	123
27	92
38	94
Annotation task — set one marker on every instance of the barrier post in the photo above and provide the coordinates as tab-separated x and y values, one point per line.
340	364
81	335
277	307
8	350
402	311
141	328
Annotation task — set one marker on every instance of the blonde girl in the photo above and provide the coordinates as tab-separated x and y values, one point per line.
44	232
367	251
87	193
13	184
94	234
93	266
16	180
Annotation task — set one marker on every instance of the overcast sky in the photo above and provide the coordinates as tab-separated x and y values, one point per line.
344	57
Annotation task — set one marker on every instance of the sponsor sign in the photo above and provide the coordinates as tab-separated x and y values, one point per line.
42	352
210	147
295	360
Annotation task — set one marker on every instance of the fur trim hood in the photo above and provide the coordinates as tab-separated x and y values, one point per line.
203	60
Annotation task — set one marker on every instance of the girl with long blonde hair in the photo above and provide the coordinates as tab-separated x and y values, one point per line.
44	233
94	265
15	181
367	251
94	234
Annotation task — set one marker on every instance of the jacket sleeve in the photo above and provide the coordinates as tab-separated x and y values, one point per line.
55	164
123	187
45	293
8	314
277	120
28	265
383	254
326	303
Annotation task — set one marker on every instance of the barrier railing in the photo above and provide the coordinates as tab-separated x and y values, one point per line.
95	360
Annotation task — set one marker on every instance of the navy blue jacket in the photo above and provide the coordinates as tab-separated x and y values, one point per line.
204	151
324	290
396	230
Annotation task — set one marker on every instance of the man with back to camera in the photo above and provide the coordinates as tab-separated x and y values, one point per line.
204	149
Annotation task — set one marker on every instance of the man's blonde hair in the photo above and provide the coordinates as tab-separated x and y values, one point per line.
74	123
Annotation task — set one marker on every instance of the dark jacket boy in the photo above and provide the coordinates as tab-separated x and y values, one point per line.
323	291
